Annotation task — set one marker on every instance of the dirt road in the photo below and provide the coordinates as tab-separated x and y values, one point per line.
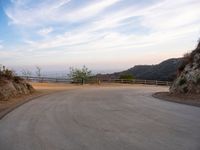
102	118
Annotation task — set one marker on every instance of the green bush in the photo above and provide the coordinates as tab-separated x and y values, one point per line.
126	77
80	75
182	81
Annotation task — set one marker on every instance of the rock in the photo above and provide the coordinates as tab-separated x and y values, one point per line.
188	80
11	88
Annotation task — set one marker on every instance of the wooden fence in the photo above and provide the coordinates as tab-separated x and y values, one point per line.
46	79
97	81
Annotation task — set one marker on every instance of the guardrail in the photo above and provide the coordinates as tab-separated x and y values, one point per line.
138	81
97	81
46	79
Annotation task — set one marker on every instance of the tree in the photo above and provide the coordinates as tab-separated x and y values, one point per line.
79	75
38	71
26	73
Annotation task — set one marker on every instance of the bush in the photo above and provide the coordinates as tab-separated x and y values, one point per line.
185	89
182	81
79	75
17	79
9	74
126	77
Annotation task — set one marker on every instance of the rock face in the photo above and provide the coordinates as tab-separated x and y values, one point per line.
188	80
10	88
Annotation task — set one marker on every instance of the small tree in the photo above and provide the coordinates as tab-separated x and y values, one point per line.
79	75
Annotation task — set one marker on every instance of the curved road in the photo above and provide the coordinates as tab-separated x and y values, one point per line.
118	118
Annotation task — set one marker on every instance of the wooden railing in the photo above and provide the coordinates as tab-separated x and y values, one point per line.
138	81
97	81
46	79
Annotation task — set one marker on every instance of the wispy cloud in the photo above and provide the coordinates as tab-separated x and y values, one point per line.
26	13
1	45
48	11
162	26
45	31
63	26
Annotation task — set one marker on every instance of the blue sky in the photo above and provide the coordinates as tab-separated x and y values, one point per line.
105	35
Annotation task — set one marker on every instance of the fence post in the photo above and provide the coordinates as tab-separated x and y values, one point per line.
156	82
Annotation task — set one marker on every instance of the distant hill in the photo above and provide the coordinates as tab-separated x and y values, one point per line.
165	71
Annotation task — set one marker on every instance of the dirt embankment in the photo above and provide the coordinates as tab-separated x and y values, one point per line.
188	99
14	88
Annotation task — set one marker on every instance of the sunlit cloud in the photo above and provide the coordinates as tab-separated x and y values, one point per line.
20	13
65	28
45	31
1	45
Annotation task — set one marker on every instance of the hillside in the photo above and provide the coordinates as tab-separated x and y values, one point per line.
165	71
12	86
188	80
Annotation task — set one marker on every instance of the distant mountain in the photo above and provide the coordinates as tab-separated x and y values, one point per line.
165	71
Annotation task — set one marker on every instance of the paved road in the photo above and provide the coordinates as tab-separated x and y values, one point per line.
101	119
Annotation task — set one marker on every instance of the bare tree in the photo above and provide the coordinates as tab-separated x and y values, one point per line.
26	73
38	71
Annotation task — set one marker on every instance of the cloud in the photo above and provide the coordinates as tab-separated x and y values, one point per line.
172	15
98	36
1	45
102	27
45	31
22	13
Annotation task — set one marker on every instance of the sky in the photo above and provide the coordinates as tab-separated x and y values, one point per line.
104	35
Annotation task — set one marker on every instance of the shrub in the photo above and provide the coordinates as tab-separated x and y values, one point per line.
17	79
182	81
126	77
79	75
185	89
9	74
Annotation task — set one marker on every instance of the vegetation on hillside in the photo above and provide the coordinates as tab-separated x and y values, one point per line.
126	77
165	71
6	74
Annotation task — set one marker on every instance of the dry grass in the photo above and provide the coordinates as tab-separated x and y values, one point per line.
52	87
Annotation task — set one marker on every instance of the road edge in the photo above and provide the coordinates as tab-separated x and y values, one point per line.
164	98
10	109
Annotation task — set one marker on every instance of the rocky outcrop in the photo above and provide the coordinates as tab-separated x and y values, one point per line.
188	80
13	88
